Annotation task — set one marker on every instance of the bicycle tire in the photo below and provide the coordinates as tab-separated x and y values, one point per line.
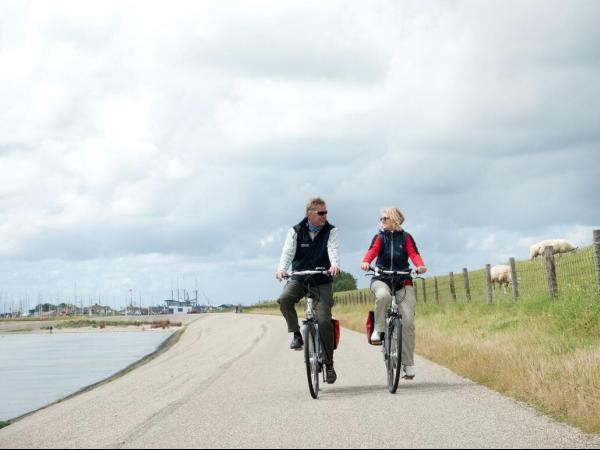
393	360
311	359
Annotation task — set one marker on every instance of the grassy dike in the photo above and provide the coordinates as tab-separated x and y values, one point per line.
544	352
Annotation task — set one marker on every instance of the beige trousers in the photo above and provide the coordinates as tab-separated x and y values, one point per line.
407	301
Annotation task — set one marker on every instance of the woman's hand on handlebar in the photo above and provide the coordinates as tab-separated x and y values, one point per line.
421	270
365	266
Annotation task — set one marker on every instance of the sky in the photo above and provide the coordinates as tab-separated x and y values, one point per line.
147	146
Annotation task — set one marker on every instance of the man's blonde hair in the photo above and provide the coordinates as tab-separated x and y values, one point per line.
313	203
395	216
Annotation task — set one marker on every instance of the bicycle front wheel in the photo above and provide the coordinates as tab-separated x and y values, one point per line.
311	358
393	359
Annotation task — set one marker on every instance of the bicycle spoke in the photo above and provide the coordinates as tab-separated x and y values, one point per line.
394	359
312	359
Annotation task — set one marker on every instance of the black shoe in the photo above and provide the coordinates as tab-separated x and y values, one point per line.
330	375
297	342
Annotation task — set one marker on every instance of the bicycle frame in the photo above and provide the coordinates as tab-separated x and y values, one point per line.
392	354
313	358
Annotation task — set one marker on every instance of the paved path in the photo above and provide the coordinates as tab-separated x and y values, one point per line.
232	382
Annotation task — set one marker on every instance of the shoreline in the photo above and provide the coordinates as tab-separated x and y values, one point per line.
39	326
108	329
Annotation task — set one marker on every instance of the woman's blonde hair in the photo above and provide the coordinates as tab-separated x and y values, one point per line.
395	216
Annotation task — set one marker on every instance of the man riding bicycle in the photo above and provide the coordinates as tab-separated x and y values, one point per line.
309	245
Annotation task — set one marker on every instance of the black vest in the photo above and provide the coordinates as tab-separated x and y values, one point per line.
393	254
311	254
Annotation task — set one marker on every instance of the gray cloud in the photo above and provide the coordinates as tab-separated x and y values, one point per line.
138	146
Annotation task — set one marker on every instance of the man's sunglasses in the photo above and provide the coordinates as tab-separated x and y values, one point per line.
321	213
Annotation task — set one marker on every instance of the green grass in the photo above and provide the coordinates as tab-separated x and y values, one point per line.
4	424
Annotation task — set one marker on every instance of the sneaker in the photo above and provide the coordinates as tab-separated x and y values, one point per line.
376	338
409	372
330	375
297	342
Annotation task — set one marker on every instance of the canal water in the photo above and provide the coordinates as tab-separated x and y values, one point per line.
38	369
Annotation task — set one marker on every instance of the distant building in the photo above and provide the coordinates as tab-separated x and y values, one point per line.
176	307
182	306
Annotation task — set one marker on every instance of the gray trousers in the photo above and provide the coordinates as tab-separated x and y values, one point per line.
407	301
322	296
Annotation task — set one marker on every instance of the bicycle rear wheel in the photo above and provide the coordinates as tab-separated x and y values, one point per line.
311	358
393	360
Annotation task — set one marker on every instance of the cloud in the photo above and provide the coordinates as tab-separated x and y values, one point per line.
195	132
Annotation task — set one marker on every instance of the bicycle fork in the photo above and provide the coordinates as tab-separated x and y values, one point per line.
311	322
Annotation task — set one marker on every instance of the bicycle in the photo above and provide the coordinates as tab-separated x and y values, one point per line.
312	342
392	340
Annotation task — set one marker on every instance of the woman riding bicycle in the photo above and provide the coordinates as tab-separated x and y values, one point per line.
392	247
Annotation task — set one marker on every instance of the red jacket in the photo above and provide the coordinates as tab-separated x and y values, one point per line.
410	248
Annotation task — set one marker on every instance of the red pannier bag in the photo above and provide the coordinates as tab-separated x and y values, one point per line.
370	326
336	332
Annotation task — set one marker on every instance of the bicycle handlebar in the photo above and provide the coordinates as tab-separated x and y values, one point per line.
378	271
307	272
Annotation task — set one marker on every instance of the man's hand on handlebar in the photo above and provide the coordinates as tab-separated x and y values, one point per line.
281	275
334	271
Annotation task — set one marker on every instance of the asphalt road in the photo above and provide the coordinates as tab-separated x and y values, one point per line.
232	382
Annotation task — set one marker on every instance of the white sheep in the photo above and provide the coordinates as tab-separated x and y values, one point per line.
534	251
502	275
558	245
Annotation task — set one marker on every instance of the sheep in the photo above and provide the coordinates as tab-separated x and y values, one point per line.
502	275
534	251
558	245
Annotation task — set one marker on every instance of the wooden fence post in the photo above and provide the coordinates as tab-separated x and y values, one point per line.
452	287
515	279
488	282
436	290
597	254
467	285
424	292
551	269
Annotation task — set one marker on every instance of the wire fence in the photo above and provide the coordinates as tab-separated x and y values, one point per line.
552	274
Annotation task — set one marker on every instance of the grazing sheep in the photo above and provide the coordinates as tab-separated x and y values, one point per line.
559	246
502	275
534	251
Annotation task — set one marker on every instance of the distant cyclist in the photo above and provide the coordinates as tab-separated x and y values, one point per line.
309	245
392	247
